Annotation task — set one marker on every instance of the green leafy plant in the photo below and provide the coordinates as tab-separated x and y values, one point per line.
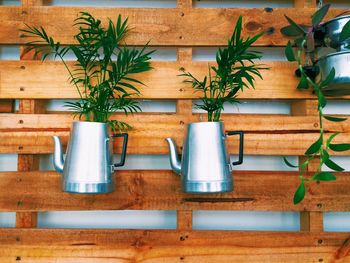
102	73
235	71
305	45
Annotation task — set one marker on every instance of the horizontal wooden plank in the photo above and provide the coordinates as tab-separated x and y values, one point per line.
161	190
163	27
25	79
65	245
265	135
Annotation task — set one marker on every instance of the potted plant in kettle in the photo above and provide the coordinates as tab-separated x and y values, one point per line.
205	165
102	75
326	76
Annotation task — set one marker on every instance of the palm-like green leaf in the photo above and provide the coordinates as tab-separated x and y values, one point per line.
236	70
106	84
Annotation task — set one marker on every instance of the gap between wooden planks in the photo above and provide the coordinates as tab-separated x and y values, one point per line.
31	245
161	190
162	26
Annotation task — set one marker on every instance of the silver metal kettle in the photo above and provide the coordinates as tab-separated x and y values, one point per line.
205	165
88	167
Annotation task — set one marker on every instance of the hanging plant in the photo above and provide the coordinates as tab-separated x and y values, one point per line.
235	71
306	41
104	68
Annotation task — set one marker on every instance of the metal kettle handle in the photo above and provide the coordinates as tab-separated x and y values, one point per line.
241	138
125	144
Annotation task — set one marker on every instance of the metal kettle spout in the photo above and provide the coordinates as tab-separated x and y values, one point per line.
58	161
174	158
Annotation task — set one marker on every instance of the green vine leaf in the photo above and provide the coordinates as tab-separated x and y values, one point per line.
300	193
334	119
332	165
303	83
341	147
295	26
289	164
345	33
328	79
324	176
330	139
289	52
320	14
315	147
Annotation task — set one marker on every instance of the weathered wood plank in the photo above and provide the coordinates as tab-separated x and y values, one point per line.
25	79
170	246
265	135
165	27
161	190
259	123
153	142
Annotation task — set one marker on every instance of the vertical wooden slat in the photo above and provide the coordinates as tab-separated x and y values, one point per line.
305	3
184	220
184	108
309	221
184	3
28	162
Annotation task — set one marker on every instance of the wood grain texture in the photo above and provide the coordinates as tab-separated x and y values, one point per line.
265	135
31	245
163	27
305	3
161	190
24	79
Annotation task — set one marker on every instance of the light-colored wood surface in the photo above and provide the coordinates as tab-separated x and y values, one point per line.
29	132
163	26
170	246
25	79
161	189
265	135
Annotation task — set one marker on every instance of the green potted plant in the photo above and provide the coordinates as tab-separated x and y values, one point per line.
205	166
103	75
319	77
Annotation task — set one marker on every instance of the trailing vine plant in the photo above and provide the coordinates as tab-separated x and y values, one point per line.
235	71
103	72
306	45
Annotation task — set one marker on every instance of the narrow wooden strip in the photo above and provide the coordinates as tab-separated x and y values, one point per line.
153	142
251	123
184	220
28	162
184	3
311	222
25	79
166	27
161	190
170	246
305	3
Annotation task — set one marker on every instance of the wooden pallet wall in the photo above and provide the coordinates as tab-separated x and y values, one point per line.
28	132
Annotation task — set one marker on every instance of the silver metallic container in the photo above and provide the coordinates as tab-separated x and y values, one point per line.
332	30
340	61
88	168
205	165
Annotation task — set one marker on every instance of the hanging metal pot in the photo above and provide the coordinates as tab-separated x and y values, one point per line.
332	30
88	167
205	166
340	61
